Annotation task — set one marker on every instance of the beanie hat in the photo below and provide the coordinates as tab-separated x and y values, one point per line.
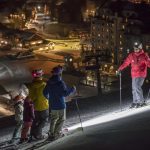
57	70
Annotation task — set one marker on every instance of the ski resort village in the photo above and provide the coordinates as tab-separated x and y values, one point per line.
74	74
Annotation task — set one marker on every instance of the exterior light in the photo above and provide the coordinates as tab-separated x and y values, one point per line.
20	45
70	59
136	43
39	42
105	66
41	48
39	7
128	50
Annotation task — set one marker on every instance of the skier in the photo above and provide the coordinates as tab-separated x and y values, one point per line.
56	90
139	61
28	116
18	97
41	105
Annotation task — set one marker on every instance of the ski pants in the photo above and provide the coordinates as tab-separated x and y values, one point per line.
137	91
17	129
58	118
25	130
39	122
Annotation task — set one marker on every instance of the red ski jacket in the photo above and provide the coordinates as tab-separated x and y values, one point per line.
139	62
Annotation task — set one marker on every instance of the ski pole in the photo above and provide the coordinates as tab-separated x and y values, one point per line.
78	111
120	92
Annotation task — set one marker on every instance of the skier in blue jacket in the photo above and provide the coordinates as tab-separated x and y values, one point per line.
55	91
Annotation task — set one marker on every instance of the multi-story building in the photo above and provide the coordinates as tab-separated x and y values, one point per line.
113	34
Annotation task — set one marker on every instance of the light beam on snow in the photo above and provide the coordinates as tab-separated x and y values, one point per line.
8	69
110	117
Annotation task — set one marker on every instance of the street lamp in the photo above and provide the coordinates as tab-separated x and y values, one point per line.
39	7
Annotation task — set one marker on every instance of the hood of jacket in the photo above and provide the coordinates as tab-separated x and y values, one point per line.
54	79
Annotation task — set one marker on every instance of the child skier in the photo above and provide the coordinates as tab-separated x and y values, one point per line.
28	116
18	97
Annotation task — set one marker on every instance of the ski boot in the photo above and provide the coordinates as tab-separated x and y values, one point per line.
143	104
60	135
13	140
23	140
137	105
51	138
133	105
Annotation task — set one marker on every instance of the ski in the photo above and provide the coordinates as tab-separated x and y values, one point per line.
15	145
4	143
9	147
38	145
66	132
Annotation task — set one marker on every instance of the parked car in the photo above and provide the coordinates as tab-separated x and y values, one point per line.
21	55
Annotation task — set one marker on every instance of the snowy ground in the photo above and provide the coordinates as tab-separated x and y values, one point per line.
104	133
126	130
89	108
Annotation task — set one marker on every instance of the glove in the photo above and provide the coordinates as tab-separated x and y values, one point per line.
74	88
118	72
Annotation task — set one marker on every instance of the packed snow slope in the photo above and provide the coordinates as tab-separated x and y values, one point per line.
126	130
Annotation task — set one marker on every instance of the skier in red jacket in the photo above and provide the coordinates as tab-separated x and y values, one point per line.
139	61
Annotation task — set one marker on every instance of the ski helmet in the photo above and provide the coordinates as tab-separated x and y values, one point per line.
57	70
37	73
137	45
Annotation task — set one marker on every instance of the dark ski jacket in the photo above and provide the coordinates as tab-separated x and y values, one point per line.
55	91
28	113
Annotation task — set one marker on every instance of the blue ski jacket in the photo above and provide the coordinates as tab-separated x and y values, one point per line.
55	91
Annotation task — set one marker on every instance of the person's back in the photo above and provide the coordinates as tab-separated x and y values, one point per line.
36	95
41	104
18	97
56	91
28	116
28	113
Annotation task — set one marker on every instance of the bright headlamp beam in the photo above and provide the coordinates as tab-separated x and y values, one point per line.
110	117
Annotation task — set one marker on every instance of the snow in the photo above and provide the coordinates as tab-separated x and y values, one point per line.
111	128
6	109
128	132
107	132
